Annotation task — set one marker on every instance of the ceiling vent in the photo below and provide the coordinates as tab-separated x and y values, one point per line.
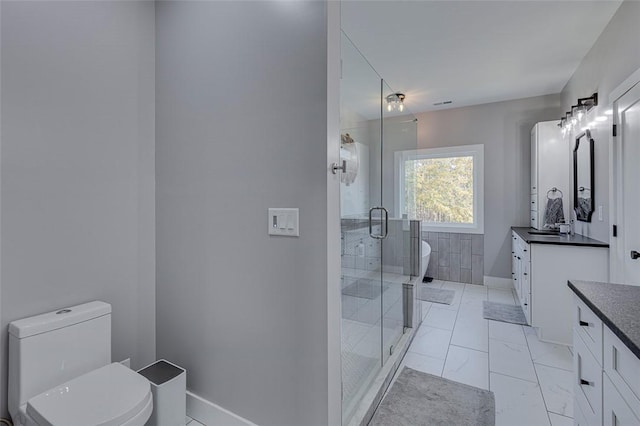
443	103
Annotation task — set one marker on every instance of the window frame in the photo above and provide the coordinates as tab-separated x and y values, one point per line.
477	153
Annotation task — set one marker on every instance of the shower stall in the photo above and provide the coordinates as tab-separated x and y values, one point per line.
380	245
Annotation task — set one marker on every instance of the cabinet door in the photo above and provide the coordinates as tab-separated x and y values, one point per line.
534	159
615	409
587	389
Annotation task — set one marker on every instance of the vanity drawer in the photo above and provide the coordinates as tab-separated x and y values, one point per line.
623	368
616	411
589	327
587	381
579	419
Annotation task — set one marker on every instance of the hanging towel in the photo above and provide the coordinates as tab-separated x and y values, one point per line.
554	212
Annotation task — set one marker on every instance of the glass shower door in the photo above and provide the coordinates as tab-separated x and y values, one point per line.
399	135
376	243
361	246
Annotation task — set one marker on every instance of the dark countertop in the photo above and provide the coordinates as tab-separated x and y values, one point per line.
560	240
617	305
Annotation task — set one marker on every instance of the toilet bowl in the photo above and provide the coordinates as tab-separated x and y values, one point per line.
60	372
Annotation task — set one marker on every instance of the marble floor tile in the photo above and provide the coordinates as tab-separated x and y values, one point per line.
518	402
423	363
471	333
507	332
558	420
433	342
549	354
557	389
467	366
511	359
440	318
501	296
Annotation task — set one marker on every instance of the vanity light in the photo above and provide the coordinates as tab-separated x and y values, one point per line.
601	118
395	101
608	112
578	112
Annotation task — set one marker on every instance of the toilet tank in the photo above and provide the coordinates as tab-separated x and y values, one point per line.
49	349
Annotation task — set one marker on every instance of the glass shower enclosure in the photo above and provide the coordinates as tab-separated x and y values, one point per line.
375	243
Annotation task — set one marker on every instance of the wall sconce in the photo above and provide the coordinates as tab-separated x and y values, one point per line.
578	112
395	102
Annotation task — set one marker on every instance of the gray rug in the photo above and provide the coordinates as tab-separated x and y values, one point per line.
365	289
418	398
503	312
436	295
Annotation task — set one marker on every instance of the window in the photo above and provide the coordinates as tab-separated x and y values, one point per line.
442	187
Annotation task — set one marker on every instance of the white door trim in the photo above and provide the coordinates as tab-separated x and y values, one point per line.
616	251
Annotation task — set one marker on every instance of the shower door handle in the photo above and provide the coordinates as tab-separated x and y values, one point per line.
383	235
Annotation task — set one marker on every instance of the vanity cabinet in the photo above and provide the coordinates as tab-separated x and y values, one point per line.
550	168
606	373
540	271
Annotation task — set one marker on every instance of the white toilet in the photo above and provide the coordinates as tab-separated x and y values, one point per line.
60	372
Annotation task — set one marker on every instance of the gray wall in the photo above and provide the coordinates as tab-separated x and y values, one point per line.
504	129
241	120
613	58
77	166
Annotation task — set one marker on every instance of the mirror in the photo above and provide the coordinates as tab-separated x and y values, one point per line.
583	203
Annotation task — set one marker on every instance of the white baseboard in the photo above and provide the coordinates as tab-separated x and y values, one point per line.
497	282
208	413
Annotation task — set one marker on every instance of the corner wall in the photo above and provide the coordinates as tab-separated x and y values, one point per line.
77	166
241	127
613	58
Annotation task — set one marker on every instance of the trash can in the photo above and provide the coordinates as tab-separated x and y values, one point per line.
169	389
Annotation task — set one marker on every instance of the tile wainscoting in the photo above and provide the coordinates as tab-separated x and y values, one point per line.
456	257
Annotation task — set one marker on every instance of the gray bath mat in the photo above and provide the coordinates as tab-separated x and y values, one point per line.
365	289
436	295
418	398
503	312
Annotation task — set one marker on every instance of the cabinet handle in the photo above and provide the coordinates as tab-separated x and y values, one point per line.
583	323
518	257
526	304
584	382
525	273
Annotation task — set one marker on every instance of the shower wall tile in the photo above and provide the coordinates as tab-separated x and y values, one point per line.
443	273
477	244
477	269
444	246
455	256
465	276
465	254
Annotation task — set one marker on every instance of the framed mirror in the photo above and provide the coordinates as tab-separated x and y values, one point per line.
583	202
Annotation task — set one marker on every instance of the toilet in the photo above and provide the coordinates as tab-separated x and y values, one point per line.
60	372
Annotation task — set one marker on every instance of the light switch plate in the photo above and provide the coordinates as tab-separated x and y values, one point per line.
283	222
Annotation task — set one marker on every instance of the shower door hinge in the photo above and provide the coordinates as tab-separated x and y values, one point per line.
615	130
615	230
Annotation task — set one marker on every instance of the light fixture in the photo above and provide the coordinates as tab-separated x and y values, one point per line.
395	102
601	118
577	114
608	112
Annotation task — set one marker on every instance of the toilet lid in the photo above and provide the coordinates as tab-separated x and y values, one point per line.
108	396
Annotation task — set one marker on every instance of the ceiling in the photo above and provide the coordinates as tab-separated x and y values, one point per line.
474	52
